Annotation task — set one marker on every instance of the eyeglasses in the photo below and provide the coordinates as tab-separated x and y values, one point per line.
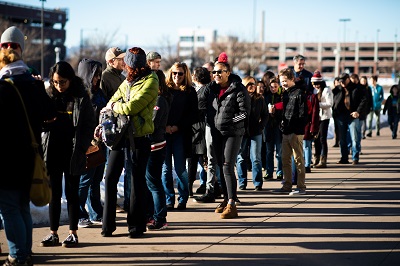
12	45
219	72
250	84
59	82
178	73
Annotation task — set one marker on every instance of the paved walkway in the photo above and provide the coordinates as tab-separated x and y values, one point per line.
350	216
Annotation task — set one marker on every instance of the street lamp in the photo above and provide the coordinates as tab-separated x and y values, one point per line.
42	41
376	57
344	20
57	50
81	44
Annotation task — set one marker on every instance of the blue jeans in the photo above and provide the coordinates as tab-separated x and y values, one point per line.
89	192
175	149
255	158
353	125
274	144
17	221
157	203
307	149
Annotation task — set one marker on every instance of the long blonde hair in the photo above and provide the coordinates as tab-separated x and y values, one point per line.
187	81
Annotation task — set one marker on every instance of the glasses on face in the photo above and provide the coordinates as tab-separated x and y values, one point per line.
11	45
178	73
219	72
250	84
59	82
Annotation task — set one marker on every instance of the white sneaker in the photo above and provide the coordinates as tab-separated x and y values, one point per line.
297	191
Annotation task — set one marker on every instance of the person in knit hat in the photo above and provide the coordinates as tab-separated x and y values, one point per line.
136	98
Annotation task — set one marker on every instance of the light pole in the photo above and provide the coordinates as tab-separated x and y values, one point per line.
344	20
81	44
57	50
42	41
376	57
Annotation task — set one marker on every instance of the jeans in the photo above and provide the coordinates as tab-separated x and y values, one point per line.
157	203
274	144
353	125
175	149
321	143
89	192
213	171
226	151
378	120
255	158
17	221
292	145
307	150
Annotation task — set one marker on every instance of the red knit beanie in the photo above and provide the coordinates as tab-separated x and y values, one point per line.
223	58
316	77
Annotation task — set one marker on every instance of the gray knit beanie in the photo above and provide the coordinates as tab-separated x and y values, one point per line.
13	34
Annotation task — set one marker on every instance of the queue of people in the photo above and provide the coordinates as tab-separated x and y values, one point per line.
213	118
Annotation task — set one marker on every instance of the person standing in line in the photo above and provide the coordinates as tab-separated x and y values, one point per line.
231	101
182	115
200	77
15	210
136	98
210	66
292	126
65	143
392	106
367	91
153	60
302	75
89	186
273	135
335	90
325	98
349	103
252	138
111	78
157	202
377	98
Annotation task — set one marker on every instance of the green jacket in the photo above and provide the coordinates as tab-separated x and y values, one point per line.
142	99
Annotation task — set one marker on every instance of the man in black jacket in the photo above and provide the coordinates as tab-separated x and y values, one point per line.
349	103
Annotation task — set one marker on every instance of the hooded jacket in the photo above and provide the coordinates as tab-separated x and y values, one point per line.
294	111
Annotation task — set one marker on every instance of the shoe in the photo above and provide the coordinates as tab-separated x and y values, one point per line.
119	209
201	189
10	261
220	208
229	212
268	177
281	191
157	225
106	234
133	233
342	162
279	176
83	223
363	137
98	221
258	188
308	169
50	241
237	201
242	187
298	191
181	206
70	241
377	133
354	162
205	198
369	134
170	207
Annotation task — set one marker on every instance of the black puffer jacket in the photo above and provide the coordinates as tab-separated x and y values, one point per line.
232	109
294	111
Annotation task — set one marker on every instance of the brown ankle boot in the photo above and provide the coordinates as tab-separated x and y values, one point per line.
229	212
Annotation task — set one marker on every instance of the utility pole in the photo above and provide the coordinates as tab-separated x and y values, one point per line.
344	20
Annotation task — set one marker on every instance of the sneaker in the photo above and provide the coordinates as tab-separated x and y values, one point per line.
84	223
220	208
298	191
181	206
157	225
229	212
237	201
119	209
10	261
97	222
279	176
281	191
50	241
342	162
201	189
268	177
258	188
70	241
354	162
150	221
205	198
242	187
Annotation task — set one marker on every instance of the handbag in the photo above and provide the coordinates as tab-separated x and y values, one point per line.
40	192
95	155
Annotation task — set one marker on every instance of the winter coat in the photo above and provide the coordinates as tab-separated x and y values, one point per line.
312	123
142	99
392	105
274	120
199	129
232	108
377	97
325	104
258	115
294	111
358	100
160	118
74	126
17	165
111	78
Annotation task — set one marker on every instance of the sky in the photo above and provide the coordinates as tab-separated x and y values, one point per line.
150	23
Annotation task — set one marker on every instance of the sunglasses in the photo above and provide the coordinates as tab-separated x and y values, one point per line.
178	73
59	82
12	45
219	72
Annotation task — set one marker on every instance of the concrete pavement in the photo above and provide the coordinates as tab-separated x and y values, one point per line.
350	216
